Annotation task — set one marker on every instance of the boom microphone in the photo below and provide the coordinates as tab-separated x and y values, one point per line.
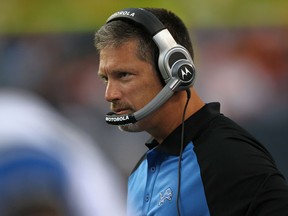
154	104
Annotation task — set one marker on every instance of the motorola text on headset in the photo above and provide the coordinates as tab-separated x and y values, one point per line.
175	63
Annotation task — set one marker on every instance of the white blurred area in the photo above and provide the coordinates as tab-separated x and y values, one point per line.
50	167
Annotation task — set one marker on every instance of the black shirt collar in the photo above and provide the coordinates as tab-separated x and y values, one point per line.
194	125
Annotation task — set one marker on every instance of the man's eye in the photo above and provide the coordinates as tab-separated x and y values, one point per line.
104	79
124	75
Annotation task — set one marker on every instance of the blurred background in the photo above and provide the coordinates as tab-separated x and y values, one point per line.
241	55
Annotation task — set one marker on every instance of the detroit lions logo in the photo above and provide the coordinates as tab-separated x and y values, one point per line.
167	195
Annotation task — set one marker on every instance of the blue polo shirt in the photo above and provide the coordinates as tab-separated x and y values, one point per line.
224	171
155	185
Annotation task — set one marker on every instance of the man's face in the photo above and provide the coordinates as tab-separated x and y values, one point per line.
130	82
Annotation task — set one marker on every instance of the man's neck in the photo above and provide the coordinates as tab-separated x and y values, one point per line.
174	113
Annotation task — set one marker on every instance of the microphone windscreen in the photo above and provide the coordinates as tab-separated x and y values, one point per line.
114	119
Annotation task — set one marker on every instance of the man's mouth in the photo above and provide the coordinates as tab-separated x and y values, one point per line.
121	111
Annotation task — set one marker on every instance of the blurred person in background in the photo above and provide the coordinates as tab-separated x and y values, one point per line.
48	167
199	162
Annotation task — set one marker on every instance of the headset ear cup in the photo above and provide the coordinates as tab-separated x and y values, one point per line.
178	63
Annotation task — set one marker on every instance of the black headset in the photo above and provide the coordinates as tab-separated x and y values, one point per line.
175	63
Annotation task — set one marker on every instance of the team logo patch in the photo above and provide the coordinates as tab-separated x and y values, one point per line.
167	195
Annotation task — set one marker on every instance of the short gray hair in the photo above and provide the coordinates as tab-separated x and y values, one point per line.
116	33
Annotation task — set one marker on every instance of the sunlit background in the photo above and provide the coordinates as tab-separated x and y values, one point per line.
241	54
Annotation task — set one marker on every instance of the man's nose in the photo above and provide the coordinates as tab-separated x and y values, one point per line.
112	92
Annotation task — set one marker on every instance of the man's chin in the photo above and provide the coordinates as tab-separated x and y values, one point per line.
130	128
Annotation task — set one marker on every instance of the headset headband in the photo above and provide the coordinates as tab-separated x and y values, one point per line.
142	17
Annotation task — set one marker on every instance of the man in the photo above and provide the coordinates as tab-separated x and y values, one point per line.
198	162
